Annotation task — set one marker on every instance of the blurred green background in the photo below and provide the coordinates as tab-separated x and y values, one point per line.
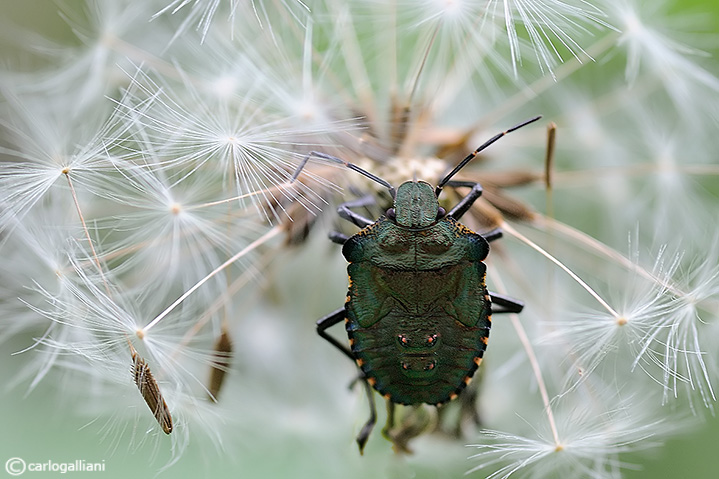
39	426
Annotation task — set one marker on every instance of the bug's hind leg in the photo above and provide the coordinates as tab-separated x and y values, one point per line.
404	423
389	424
322	325
505	304
457	418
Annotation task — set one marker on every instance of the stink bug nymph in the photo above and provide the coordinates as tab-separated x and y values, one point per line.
417	312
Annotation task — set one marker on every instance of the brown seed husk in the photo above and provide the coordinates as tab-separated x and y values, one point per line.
221	361
150	391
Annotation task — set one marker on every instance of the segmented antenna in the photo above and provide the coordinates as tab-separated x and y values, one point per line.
349	165
472	155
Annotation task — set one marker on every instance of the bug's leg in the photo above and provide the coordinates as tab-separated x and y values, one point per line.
339	238
328	321
323	324
369	425
468	402
505	304
345	211
408	423
456	417
465	203
389	423
492	235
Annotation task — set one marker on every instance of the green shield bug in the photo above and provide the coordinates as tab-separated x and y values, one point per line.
417	311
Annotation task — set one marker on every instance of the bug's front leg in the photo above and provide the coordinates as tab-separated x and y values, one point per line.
465	203
337	237
345	211
322	325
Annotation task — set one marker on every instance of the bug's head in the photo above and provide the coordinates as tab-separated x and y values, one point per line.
415	205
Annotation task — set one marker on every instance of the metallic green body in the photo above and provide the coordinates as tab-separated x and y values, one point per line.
417	310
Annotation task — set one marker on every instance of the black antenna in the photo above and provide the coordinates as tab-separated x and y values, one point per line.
349	165
471	156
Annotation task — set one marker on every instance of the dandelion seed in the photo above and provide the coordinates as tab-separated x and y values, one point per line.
202	13
106	35
668	61
675	342
220	364
549	24
239	139
591	439
41	146
150	391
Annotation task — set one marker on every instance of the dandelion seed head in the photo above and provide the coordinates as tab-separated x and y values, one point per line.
251	147
594	428
650	47
35	266
308	110
225	86
105	32
176	208
450	10
202	12
680	350
544	22
615	339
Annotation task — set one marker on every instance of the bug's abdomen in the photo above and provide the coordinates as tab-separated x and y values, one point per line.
419	348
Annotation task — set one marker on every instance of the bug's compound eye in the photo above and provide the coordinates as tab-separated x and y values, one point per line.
441	212
431	340
391	214
429	365
406	366
404	340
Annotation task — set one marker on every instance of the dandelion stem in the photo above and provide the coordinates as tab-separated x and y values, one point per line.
509	229
527	345
605	250
422	64
236	285
536	369
235	198
259	241
66	172
573	177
